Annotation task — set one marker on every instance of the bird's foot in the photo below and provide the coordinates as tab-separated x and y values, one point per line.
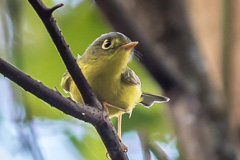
125	147
107	155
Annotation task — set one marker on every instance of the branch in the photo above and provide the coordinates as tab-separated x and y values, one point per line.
92	112
142	134
103	126
82	112
50	96
50	23
151	146
157	151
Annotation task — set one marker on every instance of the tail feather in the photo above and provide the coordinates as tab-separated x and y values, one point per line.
148	99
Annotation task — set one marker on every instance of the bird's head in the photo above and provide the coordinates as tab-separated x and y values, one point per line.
110	50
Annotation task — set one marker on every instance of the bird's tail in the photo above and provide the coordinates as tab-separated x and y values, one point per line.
148	99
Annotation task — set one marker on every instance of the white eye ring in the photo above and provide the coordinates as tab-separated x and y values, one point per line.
106	44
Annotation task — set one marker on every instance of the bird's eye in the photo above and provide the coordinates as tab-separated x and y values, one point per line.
106	44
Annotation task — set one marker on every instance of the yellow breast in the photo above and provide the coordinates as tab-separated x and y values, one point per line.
110	89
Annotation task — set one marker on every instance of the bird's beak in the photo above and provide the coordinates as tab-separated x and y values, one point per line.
130	45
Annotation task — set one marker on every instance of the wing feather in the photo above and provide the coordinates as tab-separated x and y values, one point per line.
130	77
66	81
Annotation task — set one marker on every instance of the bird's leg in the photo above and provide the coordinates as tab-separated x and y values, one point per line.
104	107
120	126
120	131
115	107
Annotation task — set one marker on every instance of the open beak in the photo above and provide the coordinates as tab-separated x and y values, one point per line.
130	45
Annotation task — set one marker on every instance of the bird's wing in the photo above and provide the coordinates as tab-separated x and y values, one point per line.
66	81
129	77
148	99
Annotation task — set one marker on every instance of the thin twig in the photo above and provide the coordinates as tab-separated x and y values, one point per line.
157	151
55	7
144	142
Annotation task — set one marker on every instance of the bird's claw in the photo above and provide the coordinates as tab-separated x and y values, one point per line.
125	147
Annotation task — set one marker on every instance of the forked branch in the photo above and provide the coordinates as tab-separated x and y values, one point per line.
92	112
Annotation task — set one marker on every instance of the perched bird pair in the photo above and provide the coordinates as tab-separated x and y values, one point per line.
104	65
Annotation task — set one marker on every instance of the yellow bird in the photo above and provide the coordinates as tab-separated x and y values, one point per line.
104	65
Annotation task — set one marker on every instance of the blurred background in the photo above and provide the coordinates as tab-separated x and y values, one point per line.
32	129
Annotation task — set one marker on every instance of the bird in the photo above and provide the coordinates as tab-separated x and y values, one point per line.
105	67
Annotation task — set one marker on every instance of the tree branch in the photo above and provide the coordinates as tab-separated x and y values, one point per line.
82	112
50	96
104	126
92	112
50	23
157	151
